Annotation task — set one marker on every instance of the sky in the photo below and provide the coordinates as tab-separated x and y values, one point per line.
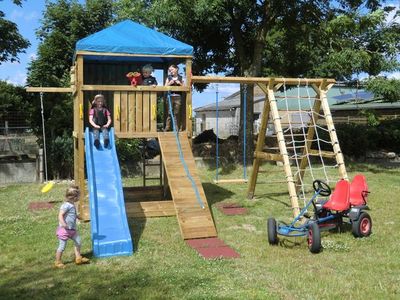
28	18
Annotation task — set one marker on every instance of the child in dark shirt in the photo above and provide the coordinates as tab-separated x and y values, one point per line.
147	79
100	119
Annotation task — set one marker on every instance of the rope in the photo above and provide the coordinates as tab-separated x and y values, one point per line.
178	143
44	134
316	134
292	136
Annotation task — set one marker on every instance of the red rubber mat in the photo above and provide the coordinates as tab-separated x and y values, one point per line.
40	206
212	248
232	209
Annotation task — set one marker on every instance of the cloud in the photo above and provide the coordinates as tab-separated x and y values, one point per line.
32	56
17	79
394	75
17	15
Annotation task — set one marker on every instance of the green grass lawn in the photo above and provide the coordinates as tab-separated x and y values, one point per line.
164	267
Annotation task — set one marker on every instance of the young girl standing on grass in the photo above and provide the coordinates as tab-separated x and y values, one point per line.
67	227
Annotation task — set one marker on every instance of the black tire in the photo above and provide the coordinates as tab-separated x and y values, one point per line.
272	232
362	227
314	238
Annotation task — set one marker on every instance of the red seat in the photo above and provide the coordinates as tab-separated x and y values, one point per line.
358	191
339	199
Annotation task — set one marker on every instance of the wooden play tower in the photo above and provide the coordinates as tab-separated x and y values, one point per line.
134	115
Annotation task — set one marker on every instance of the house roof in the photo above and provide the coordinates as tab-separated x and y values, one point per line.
339	98
128	37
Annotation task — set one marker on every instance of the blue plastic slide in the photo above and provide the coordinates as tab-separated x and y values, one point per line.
110	231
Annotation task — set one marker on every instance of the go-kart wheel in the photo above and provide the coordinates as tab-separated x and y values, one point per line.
362	226
272	231
321	187
314	238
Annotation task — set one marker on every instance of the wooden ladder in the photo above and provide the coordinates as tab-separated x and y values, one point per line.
194	221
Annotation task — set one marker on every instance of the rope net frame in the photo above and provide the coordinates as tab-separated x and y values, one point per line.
307	145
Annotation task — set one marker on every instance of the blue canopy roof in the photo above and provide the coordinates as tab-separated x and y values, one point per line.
132	38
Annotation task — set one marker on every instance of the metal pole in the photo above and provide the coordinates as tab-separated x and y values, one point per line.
44	136
244	130
216	142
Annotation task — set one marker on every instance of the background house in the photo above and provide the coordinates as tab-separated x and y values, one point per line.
345	104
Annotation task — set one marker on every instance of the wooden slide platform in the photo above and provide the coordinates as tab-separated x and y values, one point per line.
194	221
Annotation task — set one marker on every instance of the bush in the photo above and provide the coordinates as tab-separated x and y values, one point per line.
357	139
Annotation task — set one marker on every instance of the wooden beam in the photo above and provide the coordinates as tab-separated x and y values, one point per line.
327	154
265	80
129	88
282	149
268	156
136	135
260	143
32	89
332	133
230	181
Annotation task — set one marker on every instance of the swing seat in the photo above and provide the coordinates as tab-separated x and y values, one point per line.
358	191
340	198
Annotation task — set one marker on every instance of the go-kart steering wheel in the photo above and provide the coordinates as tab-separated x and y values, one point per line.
321	187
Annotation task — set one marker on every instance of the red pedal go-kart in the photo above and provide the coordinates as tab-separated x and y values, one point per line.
348	203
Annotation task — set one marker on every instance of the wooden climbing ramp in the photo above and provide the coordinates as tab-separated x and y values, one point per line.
194	221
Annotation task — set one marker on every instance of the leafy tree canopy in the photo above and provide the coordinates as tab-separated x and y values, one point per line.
11	41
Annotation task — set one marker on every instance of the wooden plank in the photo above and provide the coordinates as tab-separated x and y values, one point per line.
129	88
124	112
264	80
194	221
230	181
131	113
117	112
146	111
268	156
34	89
153	117
139	135
150	209
327	154
139	112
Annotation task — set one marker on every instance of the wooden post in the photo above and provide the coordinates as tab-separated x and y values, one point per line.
188	117
282	148
332	131
260	143
80	176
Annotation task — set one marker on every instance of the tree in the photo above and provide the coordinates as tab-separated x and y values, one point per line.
11	41
276	38
385	89
63	24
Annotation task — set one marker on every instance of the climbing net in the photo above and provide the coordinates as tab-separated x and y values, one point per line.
308	144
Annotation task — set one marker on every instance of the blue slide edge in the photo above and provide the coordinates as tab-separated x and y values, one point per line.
119	247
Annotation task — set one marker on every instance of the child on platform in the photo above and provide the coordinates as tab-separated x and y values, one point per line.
174	79
100	119
67	228
147	79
